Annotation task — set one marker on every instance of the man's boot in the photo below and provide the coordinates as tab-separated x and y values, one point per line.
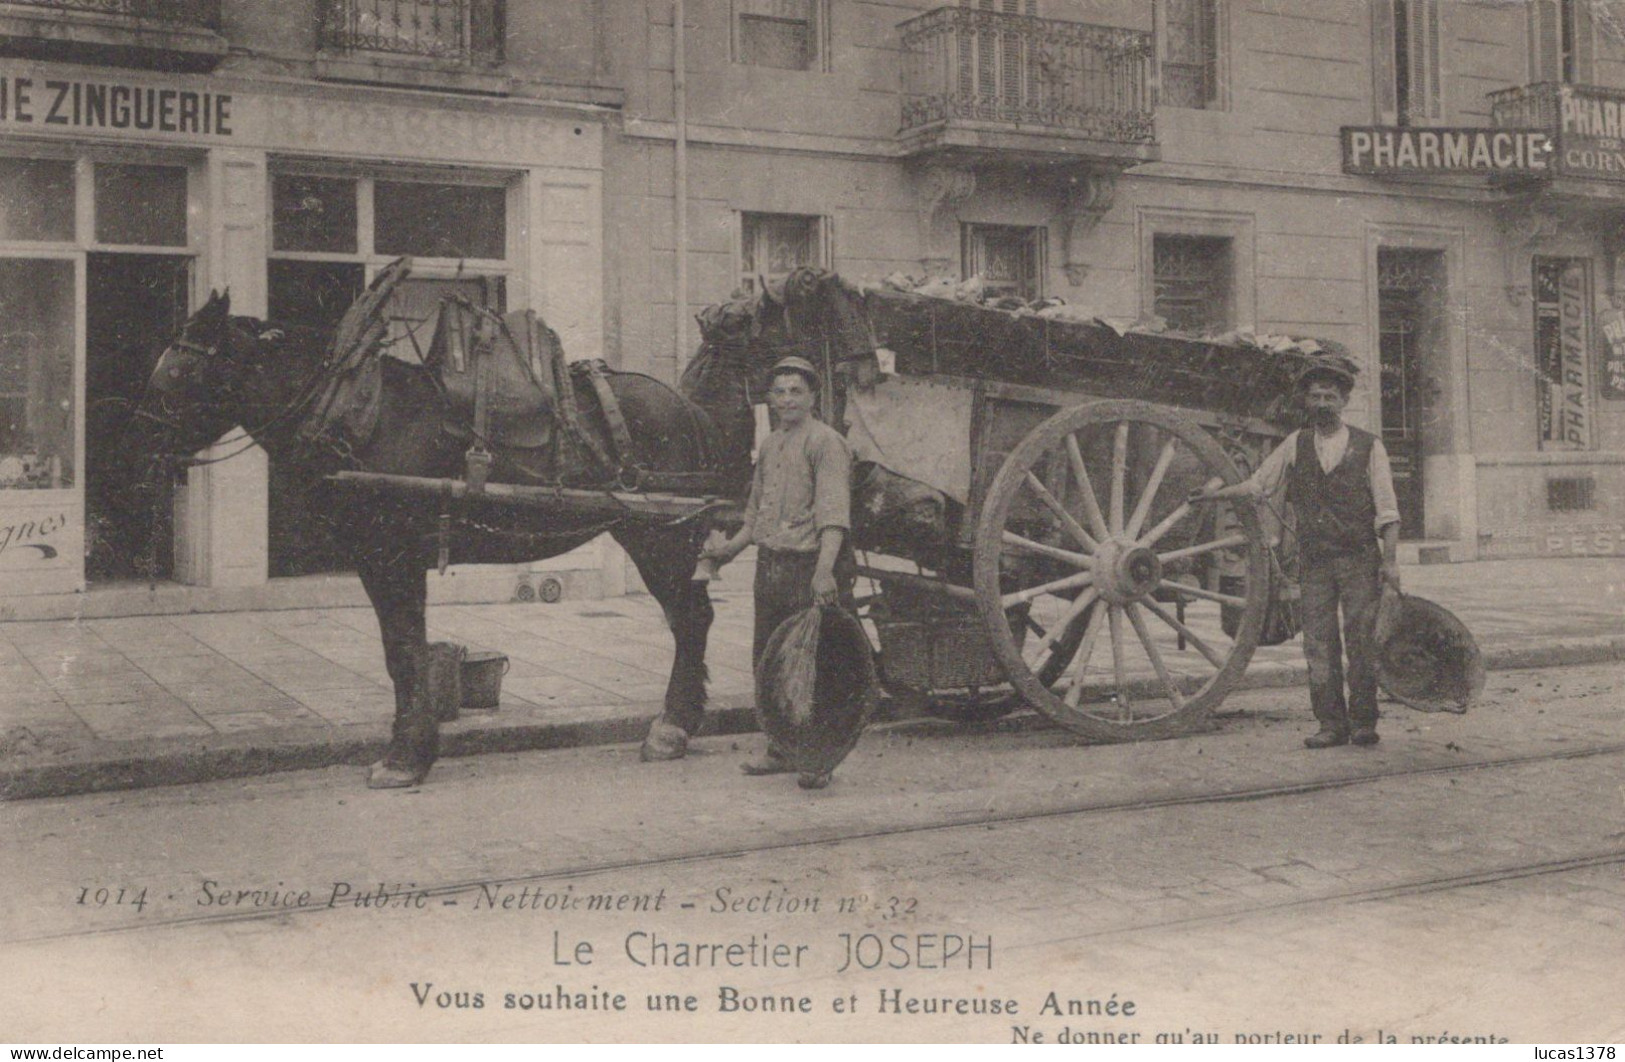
1327	737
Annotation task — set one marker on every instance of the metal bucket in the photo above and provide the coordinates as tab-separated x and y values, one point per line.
482	680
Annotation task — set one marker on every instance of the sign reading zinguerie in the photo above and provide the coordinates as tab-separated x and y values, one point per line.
32	102
1373	149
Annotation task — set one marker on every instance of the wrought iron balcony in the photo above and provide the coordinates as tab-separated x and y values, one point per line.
1526	106
1586	127
159	34
1026	88
469	32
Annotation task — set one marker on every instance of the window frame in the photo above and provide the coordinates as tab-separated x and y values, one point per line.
1219	99
1036	235
1425	54
818	31
821	242
1582	57
366	179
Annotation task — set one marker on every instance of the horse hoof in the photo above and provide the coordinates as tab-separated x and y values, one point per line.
664	742
383	776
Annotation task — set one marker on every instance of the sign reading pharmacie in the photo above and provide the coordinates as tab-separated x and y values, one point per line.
1385	149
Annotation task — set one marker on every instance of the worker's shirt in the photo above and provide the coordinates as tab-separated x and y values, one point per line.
802	484
1271	476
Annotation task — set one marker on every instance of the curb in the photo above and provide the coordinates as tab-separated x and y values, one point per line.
142	764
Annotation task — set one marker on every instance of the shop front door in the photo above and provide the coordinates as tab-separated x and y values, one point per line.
134	305
1409	308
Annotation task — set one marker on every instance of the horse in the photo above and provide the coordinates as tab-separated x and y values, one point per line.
223	372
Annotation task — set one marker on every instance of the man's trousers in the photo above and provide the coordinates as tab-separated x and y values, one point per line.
1352	583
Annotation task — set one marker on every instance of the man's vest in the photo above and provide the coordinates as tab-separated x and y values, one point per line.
1337	513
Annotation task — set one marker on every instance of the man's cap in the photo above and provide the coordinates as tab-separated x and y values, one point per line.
796	364
1336	369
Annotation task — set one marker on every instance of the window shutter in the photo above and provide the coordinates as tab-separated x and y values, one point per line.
1545	41
1424	58
1382	61
1584	44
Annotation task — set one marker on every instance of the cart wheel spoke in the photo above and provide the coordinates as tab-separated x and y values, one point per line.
1189	635
1119	474
1227	542
1204	594
1119	665
1068	521
1071	582
1153	536
1152	485
1155	656
1077	560
1086	649
1129	464
1086	489
1058	631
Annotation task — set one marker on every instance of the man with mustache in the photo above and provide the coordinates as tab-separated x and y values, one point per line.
1338	481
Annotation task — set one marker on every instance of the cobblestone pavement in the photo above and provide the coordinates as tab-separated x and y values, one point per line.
66	686
1464	878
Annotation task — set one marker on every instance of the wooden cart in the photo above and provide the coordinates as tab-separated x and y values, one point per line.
1076	577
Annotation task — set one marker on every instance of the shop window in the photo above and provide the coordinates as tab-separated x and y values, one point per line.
1192	282
1562	297
140	206
782	34
37	444
439	220
1406	60
1190	53
36	199
1008	258
1561	41
774	244
313	214
328	233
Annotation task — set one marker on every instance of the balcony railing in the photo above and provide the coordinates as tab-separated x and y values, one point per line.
204	14
466	31
1527	106
1033	74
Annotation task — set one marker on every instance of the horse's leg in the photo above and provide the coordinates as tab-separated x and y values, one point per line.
665	559
398	589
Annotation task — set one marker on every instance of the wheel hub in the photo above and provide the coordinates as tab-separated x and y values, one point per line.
1125	572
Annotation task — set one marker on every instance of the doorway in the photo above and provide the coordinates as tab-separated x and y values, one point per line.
134	305
1410	324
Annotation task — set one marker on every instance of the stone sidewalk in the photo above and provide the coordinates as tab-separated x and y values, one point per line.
115	703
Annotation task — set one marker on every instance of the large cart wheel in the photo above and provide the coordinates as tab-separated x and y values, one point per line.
1087	524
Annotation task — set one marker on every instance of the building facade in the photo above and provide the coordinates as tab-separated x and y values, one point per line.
1182	159
153	150
1318	167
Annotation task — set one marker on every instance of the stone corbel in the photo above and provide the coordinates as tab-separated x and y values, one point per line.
1088	198
1524	225
942	190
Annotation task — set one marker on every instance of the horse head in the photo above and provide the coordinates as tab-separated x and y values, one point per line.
220	372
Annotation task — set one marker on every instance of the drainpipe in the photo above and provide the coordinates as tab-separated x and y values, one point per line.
679	96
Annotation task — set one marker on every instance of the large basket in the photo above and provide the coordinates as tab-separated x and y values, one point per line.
929	642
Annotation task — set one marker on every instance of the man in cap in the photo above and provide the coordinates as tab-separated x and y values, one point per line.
798	515
1339	483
